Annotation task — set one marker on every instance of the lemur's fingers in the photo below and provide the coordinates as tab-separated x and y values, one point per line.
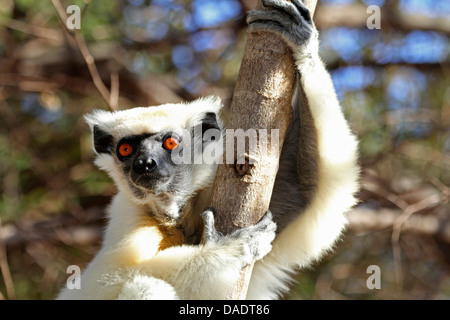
269	20
303	10
261	235
293	32
261	15
256	239
283	6
208	217
266	222
295	10
210	233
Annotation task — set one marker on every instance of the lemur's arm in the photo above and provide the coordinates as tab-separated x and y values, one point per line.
207	271
318	173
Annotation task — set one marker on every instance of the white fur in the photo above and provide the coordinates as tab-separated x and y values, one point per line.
142	287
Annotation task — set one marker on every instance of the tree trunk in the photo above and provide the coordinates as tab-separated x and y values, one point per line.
261	100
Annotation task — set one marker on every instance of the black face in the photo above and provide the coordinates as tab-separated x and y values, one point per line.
147	160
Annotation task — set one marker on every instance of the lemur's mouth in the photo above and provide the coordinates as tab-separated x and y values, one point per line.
149	183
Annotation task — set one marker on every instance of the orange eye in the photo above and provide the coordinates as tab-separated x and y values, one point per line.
125	149
171	143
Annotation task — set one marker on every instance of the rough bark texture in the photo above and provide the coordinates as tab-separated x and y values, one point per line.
261	100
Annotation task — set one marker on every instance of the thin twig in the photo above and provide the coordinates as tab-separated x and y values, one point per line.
444	189
88	58
86	4
391	197
114	97
37	31
90	62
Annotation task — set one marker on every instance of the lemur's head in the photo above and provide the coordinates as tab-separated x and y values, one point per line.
156	154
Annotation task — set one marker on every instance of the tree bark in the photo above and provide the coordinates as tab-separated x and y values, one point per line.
261	100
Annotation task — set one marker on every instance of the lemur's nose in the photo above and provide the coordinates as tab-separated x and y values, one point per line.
144	165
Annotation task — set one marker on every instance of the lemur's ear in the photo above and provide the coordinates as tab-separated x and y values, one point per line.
206	112
103	141
209	121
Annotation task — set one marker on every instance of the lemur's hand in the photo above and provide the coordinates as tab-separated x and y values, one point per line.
290	20
250	243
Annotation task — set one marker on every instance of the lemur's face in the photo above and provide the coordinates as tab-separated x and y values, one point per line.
152	151
147	165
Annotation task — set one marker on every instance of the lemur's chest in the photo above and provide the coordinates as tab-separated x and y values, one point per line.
148	239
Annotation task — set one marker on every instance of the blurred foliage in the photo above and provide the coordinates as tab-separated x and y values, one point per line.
393	84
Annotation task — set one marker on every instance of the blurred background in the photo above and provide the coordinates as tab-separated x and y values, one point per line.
393	83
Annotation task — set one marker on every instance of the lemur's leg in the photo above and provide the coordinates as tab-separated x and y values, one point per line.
209	270
320	163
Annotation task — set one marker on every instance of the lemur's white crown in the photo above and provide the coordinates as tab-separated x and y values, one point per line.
142	120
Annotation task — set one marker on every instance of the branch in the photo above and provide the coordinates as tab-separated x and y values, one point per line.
114	96
71	228
38	31
363	219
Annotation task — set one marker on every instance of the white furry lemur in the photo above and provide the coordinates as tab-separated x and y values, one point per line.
152	246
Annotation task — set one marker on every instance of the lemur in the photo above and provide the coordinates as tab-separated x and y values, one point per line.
151	247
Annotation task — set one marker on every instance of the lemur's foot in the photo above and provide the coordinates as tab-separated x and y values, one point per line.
291	20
